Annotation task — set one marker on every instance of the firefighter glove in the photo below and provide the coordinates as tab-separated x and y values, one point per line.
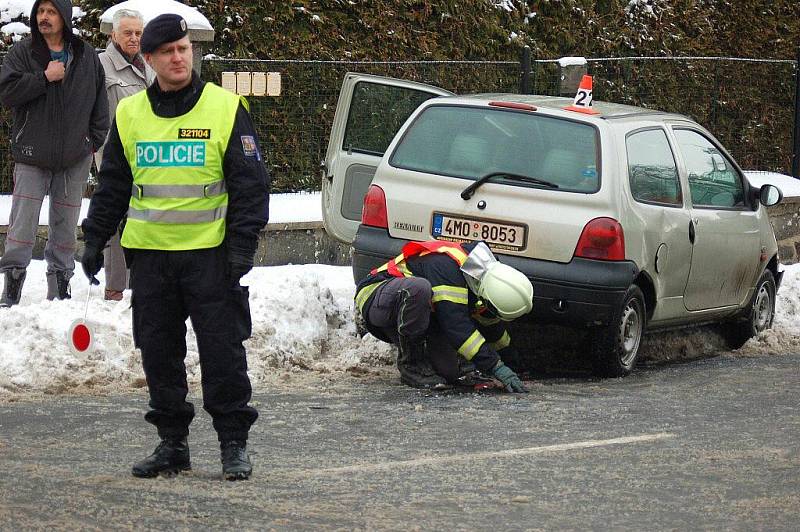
510	379
92	261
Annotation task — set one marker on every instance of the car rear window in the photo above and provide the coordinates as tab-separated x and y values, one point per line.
471	142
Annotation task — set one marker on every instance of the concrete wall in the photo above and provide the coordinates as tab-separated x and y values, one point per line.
297	243
785	219
308	243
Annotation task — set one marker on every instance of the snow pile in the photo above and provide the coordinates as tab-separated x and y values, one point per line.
302	329
784	336
303	334
790	186
150	10
11	9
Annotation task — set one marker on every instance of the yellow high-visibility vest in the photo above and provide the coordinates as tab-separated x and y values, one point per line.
179	200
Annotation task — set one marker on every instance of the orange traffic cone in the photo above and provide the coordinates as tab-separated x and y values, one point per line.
583	98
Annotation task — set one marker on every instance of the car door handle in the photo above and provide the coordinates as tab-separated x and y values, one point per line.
691	231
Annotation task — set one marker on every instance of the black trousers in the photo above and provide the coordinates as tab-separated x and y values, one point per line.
402	307
168	287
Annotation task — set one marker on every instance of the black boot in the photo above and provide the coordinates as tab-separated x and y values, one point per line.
58	286
13	288
415	367
235	462
170	457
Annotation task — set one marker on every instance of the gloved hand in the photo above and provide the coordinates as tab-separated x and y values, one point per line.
510	379
237	270
92	261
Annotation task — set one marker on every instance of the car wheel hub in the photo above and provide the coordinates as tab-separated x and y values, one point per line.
630	334
762	310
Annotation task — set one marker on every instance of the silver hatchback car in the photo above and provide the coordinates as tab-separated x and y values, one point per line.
624	219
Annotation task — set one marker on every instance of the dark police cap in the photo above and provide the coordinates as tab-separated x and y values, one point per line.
164	28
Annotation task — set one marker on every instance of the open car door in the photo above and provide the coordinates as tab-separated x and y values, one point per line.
370	111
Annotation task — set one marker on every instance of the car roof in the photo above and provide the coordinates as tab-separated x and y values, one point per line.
606	110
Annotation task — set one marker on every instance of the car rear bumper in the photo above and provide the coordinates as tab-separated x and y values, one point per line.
583	292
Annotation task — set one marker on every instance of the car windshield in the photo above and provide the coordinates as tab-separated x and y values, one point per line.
472	142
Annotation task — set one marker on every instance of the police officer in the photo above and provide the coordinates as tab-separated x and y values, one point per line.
183	162
470	295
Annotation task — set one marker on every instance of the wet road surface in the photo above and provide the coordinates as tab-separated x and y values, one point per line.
709	444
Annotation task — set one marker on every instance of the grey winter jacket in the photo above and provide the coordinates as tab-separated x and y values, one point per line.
122	80
55	123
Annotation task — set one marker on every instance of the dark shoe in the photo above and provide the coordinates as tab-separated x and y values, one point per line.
58	286
113	295
170	457
13	288
415	367
235	462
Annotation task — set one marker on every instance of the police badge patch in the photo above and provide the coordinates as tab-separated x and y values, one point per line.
249	146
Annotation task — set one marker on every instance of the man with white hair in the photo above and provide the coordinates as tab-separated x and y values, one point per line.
126	74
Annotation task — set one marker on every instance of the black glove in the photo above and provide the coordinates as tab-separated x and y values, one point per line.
92	261
237	270
510	379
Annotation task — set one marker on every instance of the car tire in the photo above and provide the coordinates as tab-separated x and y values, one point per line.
759	315
615	347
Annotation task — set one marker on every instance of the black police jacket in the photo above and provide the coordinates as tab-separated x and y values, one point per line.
246	178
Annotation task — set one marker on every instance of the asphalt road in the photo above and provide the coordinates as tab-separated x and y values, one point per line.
710	444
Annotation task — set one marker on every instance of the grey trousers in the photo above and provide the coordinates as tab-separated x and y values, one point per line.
31	185
114	265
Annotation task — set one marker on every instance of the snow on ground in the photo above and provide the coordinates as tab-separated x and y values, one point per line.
302	329
303	335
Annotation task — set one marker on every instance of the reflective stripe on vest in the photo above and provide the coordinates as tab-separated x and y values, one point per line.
454	294
179	191
179	200
178	217
397	268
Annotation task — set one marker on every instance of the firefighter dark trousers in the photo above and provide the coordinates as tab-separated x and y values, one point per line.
168	287
402	306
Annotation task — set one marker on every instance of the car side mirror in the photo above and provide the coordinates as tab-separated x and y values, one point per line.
769	195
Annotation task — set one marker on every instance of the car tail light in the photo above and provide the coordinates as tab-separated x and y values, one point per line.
374	211
602	239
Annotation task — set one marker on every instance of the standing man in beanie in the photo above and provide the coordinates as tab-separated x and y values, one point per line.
183	161
53	83
126	74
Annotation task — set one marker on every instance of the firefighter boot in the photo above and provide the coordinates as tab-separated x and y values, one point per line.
13	288
235	462
58	286
415	367
170	457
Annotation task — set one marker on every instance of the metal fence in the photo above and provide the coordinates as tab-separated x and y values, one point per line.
747	104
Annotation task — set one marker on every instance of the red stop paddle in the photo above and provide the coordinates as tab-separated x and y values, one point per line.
80	335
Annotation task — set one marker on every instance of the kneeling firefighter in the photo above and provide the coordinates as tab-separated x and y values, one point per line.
470	295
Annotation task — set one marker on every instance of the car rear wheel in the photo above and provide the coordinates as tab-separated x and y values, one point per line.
615	347
759	315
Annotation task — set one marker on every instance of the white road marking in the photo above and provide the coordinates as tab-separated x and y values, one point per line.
588	444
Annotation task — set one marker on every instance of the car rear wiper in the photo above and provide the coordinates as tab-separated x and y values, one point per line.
470	190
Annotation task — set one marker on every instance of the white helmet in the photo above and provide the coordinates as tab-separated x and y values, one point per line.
508	290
